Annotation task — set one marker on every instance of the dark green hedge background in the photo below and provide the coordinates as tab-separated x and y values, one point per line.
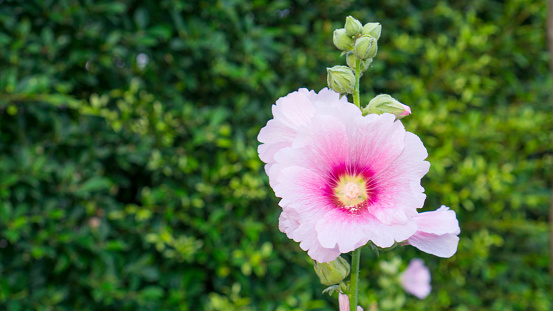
129	176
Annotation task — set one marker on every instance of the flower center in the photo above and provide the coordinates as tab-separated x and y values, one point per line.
351	192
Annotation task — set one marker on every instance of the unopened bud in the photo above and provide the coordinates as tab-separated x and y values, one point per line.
384	103
333	272
353	26
363	65
340	79
341	40
366	47
372	29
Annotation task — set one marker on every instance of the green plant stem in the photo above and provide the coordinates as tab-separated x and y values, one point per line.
356	99
354	281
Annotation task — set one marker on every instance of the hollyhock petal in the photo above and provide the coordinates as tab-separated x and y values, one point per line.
289	223
443	246
350	233
276	131
267	151
380	140
300	189
327	144
294	110
416	279
440	221
291	112
386	235
344	233
325	97
437	232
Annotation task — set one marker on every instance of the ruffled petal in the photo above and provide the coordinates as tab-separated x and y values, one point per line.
437	232
443	246
440	221
294	110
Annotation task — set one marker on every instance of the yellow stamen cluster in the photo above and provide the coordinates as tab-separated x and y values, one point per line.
351	192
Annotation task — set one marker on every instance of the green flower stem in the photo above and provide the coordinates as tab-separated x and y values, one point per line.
355	257
356	99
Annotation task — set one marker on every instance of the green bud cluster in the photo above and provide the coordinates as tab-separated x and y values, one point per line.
359	43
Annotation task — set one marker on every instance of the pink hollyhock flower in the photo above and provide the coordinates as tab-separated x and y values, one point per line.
416	279
437	232
343	301
344	178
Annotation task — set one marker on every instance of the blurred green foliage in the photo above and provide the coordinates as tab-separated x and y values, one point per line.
129	176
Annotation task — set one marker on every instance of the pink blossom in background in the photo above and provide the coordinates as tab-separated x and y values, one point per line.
416	279
343	301
437	232
344	179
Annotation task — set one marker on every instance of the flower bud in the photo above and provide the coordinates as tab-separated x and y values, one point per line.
384	103
372	29
353	26
341	40
363	66
340	79
365	47
333	272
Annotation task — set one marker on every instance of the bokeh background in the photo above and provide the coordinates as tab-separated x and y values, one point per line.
129	176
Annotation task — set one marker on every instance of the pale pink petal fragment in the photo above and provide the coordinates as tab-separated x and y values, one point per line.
416	279
343	301
437	232
443	246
